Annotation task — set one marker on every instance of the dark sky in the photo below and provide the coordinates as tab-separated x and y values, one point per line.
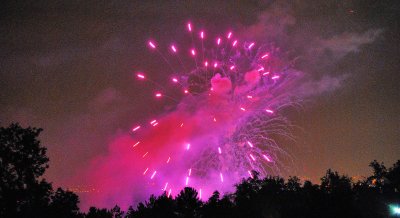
67	66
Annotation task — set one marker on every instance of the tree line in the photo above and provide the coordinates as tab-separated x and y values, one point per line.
25	193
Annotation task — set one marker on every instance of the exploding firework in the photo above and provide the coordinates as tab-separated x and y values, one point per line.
227	120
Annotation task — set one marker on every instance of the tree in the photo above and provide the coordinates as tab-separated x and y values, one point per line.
22	161
64	204
187	203
23	193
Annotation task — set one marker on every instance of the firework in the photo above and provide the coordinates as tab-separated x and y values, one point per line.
227	118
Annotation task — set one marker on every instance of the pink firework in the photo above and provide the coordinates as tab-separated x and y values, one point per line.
227	118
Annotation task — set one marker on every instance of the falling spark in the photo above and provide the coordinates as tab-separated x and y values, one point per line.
181	125
234	43
165	187
215	65
249	97
145	154
175	80
135	129
232	67
260	69
169	158
158	95
222	178
251	175
200	193
252	157
266	73
153	121
193	52
219	150
189	27
140	76
251	45
206	63
269	111
151	44
250	144
264	56
215	120
169	193
135	144
145	171
187	146
202	34
218	41
275	77
187	180
266	158
229	35
152	176
173	48
190	171
243	109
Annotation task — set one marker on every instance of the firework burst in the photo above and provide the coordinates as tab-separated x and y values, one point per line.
227	118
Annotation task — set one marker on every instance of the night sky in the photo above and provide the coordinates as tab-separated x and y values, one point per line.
69	68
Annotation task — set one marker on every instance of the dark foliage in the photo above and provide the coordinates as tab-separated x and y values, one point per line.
23	193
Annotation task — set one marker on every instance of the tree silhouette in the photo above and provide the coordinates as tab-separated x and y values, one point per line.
23	193
187	203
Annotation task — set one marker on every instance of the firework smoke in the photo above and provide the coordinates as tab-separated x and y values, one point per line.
228	120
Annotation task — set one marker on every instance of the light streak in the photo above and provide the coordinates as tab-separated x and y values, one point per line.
275	77
165	187
229	35
243	109
218	41
187	146
158	95
152	45
135	144
190	171
189	26
219	150
173	48
140	76
251	45
221	177
187	180
252	157
175	80
145	154
135	129
250	144
234	43
169	193
264	56
144	173
251	175
266	158
269	111
152	176
202	34
169	158
193	52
